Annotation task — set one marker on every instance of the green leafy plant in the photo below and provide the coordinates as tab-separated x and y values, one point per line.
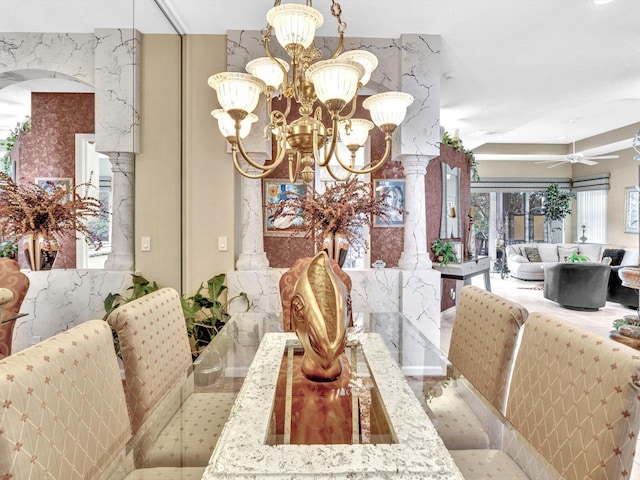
141	287
627	320
443	251
577	258
206	315
9	142
456	144
556	204
8	249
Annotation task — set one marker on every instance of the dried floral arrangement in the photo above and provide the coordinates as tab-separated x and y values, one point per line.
32	208
343	208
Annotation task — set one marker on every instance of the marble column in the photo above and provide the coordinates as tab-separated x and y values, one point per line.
415	255
252	257
122	240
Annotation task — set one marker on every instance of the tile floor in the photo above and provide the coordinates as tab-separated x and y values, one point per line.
530	295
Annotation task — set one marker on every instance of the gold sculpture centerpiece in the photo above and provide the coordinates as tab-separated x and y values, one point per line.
320	313
306	80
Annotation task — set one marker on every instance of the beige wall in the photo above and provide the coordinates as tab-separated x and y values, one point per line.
210	184
624	173
157	202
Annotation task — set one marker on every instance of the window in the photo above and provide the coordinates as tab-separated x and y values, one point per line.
592	216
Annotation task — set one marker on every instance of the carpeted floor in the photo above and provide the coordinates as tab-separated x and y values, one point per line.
529	295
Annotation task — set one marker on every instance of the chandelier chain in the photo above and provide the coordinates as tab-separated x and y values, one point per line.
336	11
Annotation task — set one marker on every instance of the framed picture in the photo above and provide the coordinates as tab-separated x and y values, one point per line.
393	191
66	183
632	196
275	191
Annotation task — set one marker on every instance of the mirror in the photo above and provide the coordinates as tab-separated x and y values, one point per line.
450	225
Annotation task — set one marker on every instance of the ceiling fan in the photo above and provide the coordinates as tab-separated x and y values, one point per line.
578	157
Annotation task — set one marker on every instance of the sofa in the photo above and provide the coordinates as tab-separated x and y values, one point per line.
618	293
525	260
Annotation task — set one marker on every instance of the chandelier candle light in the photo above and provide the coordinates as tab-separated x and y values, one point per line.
305	79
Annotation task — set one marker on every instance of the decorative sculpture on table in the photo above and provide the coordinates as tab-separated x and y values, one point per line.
320	312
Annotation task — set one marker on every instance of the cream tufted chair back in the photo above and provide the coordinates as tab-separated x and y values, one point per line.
575	397
483	341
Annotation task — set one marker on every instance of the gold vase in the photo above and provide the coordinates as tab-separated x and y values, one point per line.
336	246
40	250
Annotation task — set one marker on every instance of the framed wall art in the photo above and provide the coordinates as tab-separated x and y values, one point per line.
275	191
66	183
393	192
632	196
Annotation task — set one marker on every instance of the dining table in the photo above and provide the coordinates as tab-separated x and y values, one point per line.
373	422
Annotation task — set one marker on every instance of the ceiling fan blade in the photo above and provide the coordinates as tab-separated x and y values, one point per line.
546	161
556	165
603	157
588	162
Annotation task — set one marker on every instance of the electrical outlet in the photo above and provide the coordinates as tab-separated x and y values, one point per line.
222	244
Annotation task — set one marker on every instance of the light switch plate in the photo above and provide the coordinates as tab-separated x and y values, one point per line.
145	244
222	244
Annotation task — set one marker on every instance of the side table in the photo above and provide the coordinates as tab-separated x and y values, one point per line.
467	269
631	342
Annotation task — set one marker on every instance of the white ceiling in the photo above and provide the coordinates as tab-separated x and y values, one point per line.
523	70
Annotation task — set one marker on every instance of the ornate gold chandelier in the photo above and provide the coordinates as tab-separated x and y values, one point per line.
305	79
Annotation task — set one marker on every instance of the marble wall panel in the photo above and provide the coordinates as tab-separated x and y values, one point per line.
421	291
117	63
26	56
79	296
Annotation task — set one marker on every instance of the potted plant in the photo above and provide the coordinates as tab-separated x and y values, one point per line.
443	251
39	212
577	258
204	315
557	205
336	214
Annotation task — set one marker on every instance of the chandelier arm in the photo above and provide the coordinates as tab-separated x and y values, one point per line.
335	177
377	164
340	45
267	42
248	159
354	105
293	176
234	155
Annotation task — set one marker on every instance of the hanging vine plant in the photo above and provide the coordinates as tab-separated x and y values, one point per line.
456	144
9	142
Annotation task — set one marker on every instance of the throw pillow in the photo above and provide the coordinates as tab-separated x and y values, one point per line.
564	252
615	254
532	254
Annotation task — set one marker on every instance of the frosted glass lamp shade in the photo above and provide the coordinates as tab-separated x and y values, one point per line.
227	125
354	131
335	79
294	24
237	91
367	59
388	108
268	71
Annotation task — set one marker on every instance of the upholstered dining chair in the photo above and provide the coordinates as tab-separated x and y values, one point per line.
288	282
17	282
483	341
573	403
64	414
172	425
